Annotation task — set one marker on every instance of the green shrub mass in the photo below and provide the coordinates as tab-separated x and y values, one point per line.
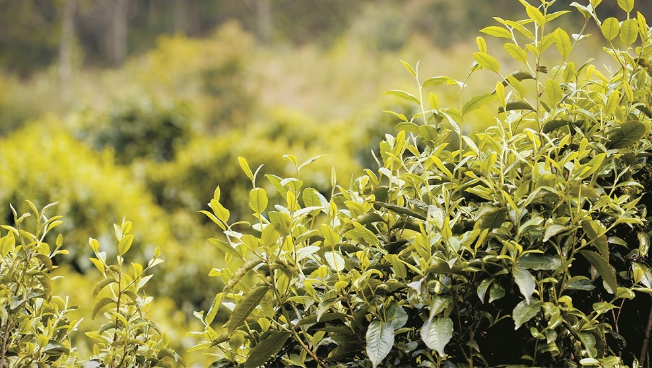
522	244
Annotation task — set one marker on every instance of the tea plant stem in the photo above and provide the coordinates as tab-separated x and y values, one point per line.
4	345
307	349
646	341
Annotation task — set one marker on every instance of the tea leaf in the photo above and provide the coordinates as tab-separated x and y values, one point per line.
404	95
436	333
603	267
487	61
246	306
627	134
379	339
610	28
266	348
524	312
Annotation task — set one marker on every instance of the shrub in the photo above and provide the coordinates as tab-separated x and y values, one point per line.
36	328
523	246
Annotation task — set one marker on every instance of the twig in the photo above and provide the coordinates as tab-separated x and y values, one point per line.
4	344
307	349
646	341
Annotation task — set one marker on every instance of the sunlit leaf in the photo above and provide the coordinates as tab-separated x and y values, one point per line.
525	311
436	333
379	339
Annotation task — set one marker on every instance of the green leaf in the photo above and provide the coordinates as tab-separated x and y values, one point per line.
225	247
497	31
626	134
525	282
524	312
212	311
400	210
379	339
516	52
482	288
610	28
326	317
246	305
220	212
535	14
612	102
603	267
626	5
436	81
404	95
101	304
592	229
553	230
266	349
436	333
477	102
537	261
335	260
258	200
281	221
487	61
124	244
492	218
553	125
629	31
482	44
100	285
330	236
563	43
245	167
516	105
409	68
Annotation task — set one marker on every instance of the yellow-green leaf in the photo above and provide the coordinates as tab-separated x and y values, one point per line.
629	31
626	5
516	52
245	167
487	61
409	68
610	28
497	31
554	91
482	44
258	200
612	102
563	43
404	95
535	14
478	101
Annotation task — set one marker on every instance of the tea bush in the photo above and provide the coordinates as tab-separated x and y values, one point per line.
35	323
524	245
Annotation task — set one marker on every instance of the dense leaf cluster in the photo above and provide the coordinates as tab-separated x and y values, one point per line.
523	244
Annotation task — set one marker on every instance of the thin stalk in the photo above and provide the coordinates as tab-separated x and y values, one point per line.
646	341
4	344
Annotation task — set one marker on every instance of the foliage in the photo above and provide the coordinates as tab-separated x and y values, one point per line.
35	327
35	323
128	338
166	127
522	246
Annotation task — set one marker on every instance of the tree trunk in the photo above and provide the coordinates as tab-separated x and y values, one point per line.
119	32
264	20
65	46
181	16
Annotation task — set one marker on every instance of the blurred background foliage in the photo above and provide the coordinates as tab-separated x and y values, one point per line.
140	108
